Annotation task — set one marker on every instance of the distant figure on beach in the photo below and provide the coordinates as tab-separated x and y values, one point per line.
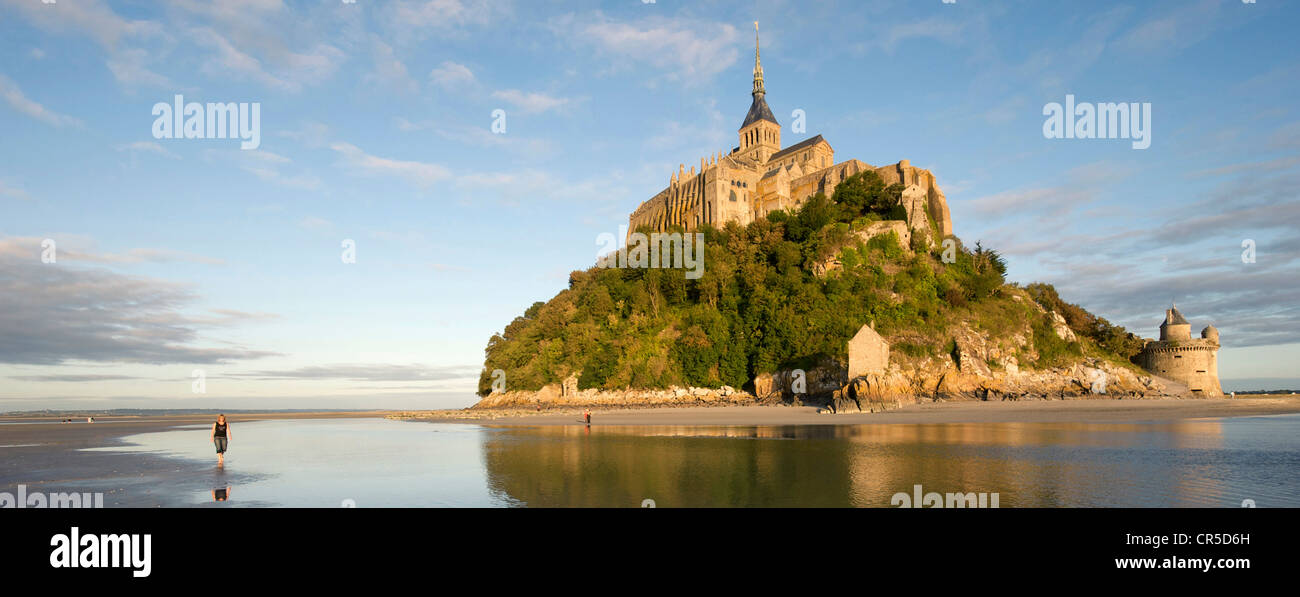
588	413
90	419
221	436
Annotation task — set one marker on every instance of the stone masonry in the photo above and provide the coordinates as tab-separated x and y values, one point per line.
758	177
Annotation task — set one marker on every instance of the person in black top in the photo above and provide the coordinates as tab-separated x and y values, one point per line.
221	436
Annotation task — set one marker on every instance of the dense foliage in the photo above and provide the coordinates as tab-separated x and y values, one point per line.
759	307
1110	338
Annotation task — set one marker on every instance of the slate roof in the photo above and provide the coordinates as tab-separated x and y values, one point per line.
1173	317
758	111
796	147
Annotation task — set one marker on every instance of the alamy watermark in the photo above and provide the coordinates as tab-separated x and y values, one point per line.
107	550
1085	120
60	499
666	250
214	120
933	499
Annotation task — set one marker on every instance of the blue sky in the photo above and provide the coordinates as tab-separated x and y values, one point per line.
182	254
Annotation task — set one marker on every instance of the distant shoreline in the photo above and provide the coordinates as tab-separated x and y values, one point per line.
1089	410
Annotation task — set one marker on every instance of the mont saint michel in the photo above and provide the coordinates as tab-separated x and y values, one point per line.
886	254
890	307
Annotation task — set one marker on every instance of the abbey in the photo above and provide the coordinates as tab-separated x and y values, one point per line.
759	176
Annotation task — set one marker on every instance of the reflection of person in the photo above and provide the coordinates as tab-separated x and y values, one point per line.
221	436
221	494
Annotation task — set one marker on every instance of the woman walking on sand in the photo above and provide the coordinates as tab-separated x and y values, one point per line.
221	436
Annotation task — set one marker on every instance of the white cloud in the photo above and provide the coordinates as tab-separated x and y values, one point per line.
389	69
932	28
687	49
96	20
451	74
530	102
420	173
128	67
290	72
14	96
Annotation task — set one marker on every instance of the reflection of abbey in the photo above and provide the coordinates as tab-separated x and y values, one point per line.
1182	358
759	177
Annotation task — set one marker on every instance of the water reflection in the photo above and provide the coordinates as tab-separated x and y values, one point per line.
1183	463
375	462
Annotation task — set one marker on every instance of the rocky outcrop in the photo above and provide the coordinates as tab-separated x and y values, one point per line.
552	396
1062	328
786	386
879	392
872	393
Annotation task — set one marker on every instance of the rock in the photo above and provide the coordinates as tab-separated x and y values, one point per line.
1062	328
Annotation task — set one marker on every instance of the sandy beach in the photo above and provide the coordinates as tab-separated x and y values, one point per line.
1066	411
43	453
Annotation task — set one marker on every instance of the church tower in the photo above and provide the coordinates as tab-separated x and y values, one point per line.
760	135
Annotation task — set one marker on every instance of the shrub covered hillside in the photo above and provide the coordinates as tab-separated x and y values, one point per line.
760	307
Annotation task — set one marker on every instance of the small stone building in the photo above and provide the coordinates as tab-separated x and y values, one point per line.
1182	358
868	353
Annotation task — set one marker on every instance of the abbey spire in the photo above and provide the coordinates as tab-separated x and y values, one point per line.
758	67
758	110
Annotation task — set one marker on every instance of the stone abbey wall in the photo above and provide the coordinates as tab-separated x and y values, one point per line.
727	189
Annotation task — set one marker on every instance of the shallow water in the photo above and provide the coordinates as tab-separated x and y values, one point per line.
377	463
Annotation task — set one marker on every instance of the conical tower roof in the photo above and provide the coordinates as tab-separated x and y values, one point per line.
758	109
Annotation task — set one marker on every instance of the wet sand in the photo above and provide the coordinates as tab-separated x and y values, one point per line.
1036	411
48	456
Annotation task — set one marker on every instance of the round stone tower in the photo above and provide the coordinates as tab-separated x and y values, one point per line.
1179	357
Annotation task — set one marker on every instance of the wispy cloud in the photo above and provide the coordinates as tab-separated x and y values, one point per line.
389	70
72	377
451	74
530	102
291	72
684	49
420	173
14	96
147	147
368	372
51	313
